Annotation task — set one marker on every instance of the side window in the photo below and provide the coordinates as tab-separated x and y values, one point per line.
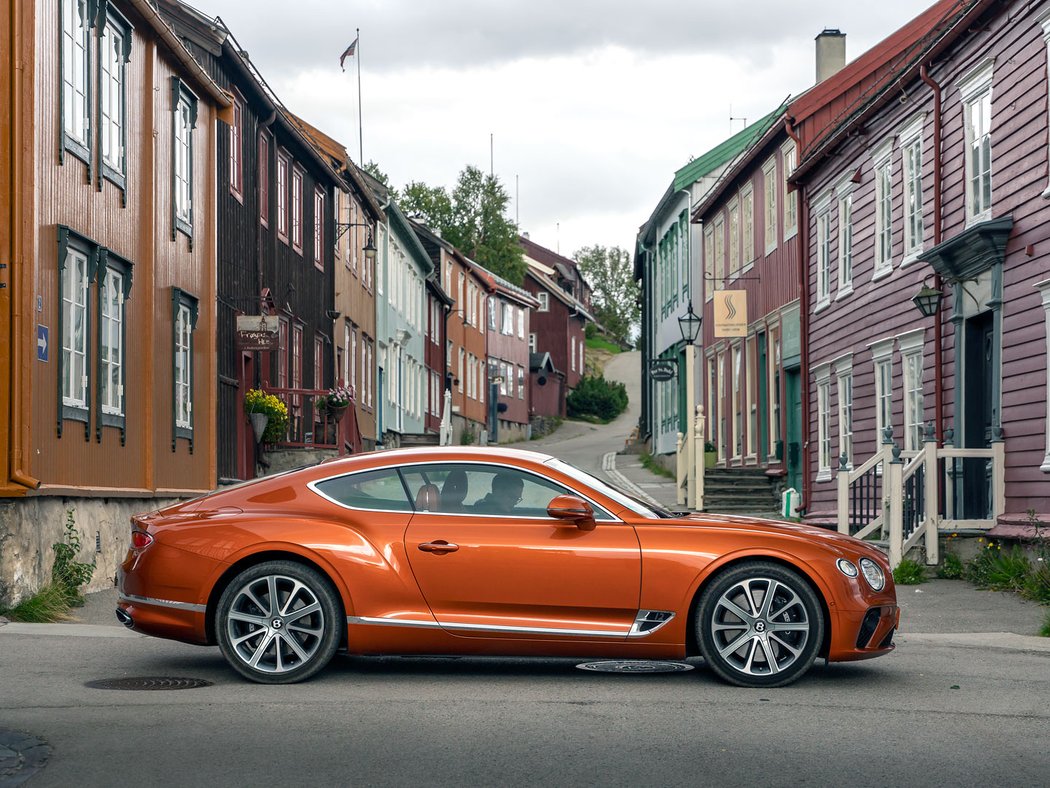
375	490
466	488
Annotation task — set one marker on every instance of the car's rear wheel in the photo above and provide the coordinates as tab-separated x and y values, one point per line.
278	622
759	625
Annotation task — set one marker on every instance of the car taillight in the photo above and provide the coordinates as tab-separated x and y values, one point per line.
140	540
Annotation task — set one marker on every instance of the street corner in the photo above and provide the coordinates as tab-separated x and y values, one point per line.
21	756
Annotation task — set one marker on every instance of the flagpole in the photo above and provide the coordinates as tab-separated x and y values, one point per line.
360	120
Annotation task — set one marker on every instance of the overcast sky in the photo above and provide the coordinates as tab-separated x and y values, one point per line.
592	105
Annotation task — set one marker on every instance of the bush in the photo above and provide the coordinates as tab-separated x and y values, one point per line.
996	570
1037	584
598	397
909	573
951	567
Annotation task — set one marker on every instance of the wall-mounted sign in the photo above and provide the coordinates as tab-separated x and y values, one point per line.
730	313
662	369
258	332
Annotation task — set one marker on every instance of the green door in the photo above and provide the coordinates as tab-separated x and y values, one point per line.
763	401
793	408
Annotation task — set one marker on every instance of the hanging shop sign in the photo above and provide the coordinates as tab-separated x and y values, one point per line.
730	313
258	332
662	369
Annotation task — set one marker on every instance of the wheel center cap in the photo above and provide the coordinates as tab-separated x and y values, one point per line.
276	623
760	626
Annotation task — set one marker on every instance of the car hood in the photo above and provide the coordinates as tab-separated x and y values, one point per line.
780	527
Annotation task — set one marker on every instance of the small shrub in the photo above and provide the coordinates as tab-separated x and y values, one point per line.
49	604
1045	629
951	567
909	573
650	464
67	573
996	570
1037	584
596	396
467	437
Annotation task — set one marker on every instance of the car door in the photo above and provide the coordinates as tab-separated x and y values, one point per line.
492	567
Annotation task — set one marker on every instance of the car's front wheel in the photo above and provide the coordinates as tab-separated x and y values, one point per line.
278	622
759	625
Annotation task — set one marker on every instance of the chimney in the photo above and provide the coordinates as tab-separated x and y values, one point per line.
831	52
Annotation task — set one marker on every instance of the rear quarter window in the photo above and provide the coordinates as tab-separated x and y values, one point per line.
379	490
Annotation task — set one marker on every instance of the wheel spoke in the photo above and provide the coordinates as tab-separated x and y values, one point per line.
794	600
246	637
290	641
770	659
283	610
311	631
262	648
735	609
247	591
236	615
748	666
783	644
751	599
302	613
789	626
275	601
734	646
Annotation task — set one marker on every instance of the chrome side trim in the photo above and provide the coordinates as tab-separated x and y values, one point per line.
648	621
145	600
389	622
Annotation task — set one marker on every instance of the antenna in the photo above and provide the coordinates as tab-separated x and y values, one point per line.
492	144
517	211
731	119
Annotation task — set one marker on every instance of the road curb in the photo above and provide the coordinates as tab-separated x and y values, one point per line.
1005	641
68	630
609	467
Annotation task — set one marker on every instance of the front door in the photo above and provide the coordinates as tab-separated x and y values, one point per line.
491	563
246	445
793	409
763	401
975	491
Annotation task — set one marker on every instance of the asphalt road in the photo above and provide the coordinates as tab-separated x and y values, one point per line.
935	712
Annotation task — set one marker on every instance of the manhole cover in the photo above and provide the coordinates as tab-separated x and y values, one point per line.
635	666
148	683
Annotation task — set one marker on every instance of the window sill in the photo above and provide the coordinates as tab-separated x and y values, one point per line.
824	475
882	272
984	216
823	304
789	234
844	292
78	149
911	257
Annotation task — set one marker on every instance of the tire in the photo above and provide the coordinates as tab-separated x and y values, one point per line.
282	643
750	643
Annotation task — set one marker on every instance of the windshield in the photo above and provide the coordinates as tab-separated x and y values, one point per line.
636	505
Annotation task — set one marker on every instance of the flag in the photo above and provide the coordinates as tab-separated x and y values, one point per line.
348	53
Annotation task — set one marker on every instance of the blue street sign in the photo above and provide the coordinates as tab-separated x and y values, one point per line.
41	342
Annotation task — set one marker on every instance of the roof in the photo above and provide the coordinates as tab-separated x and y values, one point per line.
433	243
541	362
499	284
555	289
830	109
398	220
724	152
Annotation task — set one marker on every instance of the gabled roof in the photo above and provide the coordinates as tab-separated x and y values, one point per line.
542	362
556	290
497	283
830	109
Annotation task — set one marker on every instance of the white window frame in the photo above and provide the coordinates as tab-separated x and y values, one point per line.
975	89
113	55
76	285
882	362
822	378
733	214
911	346
521	323
709	263
843	366
844	194
532	343
911	167
111	342
747	223
769	202
736	360
882	174
184	121
721	270
1044	21
572	353
822	238
544	299
788	154
1044	290
75	80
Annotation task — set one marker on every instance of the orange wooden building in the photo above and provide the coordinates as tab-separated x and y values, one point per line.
107	237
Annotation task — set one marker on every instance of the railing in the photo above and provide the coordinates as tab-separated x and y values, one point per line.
689	456
899	497
313	424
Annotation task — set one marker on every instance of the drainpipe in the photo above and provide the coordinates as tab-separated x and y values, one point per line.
938	383
802	244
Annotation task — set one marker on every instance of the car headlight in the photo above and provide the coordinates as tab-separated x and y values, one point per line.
848	568
873	574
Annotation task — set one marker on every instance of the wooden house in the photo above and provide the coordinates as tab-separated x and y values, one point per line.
109	138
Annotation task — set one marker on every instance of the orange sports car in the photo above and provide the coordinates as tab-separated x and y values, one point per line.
491	551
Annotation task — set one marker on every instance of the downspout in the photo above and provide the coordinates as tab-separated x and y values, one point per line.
802	244
21	276
938	352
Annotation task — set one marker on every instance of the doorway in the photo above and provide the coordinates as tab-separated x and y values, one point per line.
246	446
977	417
793	409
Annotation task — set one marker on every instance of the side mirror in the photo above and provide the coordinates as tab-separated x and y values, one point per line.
573	508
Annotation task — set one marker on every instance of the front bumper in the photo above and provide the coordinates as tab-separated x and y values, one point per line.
863	634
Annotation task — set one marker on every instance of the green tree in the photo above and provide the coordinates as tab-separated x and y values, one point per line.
615	296
473	219
373	169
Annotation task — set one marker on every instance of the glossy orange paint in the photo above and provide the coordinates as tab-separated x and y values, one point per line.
461	582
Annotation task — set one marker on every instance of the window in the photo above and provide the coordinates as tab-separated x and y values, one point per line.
521	323
976	90
508	318
521	382
911	347
282	195
752	397
572	354
236	150
75	54
712	401
911	153
823	241
318	363
882	357
1044	289
379	490
774	398
709	262
883	169
532	343
747	211
734	237
736	395
461	371
113	55
318	228
184	307
493	306
845	195
114	287
582	368
769	172
184	121
297	360
544	299
367	362
844	377
719	408
297	210
264	179
822	376
76	260
790	197
353	358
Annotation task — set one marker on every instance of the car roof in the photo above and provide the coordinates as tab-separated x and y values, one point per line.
442	453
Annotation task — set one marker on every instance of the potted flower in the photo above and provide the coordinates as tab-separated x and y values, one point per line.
336	401
268	415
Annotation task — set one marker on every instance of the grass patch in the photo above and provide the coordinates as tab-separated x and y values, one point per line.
951	567
909	573
1045	631
601	343
651	465
48	605
999	570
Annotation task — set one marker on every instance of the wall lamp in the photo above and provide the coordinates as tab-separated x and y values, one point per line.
341	229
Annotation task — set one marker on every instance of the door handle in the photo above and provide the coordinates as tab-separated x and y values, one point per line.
438	547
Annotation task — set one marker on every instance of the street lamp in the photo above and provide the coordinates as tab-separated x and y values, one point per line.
689	325
369	249
928	300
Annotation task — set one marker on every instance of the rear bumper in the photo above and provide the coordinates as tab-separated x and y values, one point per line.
863	634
